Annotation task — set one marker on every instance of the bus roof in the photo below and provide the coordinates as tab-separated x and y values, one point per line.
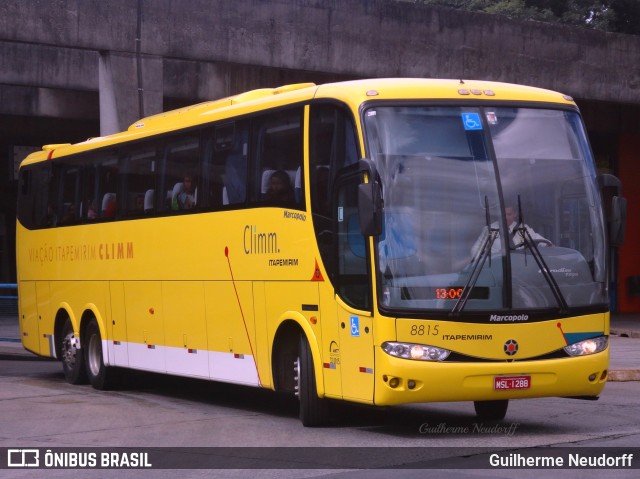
353	93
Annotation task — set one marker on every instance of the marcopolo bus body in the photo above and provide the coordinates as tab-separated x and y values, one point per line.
380	241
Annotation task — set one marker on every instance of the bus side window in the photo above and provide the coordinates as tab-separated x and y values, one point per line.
69	194
332	147
214	139
278	159
352	280
182	172
99	175
35	208
230	158
140	165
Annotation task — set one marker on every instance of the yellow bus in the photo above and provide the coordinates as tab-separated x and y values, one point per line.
382	242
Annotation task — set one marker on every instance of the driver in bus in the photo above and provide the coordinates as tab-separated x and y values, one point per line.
518	238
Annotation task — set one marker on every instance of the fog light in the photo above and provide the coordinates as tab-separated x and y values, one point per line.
593	377
393	382
411	384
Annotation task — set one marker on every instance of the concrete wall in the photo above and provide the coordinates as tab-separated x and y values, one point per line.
202	49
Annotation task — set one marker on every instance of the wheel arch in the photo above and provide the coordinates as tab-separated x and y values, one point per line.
63	313
90	311
284	351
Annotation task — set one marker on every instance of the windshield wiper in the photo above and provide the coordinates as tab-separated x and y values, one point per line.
537	256
477	263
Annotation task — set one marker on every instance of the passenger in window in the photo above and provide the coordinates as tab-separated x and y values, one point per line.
109	206
92	214
280	190
139	204
184	194
69	214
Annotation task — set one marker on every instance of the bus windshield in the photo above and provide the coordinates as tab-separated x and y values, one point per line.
486	209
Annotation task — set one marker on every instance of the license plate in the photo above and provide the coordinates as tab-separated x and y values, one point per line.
509	383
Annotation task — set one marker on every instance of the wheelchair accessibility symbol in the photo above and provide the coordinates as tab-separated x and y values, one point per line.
471	121
355	326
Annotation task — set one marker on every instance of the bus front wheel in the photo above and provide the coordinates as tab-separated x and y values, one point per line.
313	409
100	376
491	410
73	364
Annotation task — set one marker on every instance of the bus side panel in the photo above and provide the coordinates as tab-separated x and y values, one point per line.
29	316
117	327
145	329
231	327
45	318
185	328
331	366
262	341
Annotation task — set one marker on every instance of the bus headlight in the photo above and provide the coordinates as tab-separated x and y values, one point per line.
588	346
419	352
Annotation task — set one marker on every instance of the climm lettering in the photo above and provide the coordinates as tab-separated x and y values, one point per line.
258	242
115	251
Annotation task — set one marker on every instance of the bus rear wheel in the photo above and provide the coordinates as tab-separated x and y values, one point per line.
100	376
314	411
491	410
73	364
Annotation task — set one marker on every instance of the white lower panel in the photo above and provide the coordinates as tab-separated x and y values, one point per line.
117	353
233	368
146	357
219	366
188	362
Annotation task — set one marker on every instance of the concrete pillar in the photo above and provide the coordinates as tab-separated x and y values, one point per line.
121	100
108	109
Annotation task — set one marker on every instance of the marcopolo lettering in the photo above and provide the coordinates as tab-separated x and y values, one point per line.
293	215
508	318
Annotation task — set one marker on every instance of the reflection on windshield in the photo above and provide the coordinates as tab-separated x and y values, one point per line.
444	194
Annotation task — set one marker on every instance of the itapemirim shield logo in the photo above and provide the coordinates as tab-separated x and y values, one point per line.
511	347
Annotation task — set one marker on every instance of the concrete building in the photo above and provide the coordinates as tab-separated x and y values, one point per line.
75	69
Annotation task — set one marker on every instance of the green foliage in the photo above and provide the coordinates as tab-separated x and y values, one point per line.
621	16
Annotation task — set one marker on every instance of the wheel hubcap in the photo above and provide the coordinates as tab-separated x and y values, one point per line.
94	355
296	377
69	350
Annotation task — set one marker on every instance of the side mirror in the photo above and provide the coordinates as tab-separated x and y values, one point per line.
618	223
615	207
370	201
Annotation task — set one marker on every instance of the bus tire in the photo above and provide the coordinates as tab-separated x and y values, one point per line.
314	410
491	410
73	364
100	376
